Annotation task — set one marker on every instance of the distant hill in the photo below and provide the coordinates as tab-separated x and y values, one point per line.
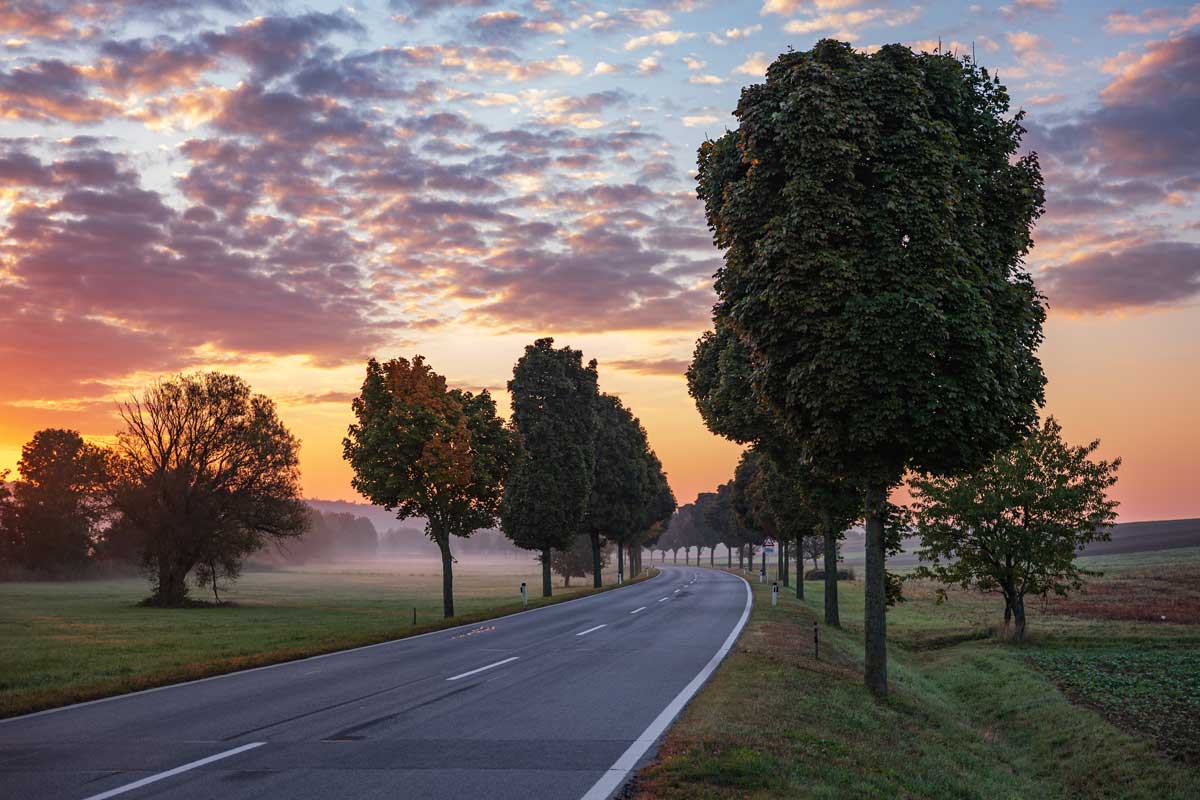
1127	537
1141	537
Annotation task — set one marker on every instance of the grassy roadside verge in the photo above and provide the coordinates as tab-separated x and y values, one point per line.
967	718
63	643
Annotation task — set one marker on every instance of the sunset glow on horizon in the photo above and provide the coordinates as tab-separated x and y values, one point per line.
282	191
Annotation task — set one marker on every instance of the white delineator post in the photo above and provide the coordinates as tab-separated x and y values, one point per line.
524	596
774	594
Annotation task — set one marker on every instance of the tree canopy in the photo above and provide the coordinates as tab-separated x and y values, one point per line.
207	473
422	449
874	214
554	402
59	501
1016	525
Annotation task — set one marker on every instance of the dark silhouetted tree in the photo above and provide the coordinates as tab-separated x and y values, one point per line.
554	401
59	501
207	473
577	561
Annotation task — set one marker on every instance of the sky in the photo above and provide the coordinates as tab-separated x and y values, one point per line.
281	190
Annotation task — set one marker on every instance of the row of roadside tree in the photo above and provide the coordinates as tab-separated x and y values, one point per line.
204	474
874	318
573	462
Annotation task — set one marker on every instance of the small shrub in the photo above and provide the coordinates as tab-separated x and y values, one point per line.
819	575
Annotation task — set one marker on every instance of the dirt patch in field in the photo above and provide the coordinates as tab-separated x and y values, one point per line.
1165	594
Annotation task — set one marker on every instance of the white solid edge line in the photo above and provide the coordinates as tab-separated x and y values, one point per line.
615	776
482	669
129	787
636	610
398	641
589	630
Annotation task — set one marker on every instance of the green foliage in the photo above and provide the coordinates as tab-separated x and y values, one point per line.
726	511
1015	525
59	502
772	501
207	473
576	560
421	449
8	524
554	403
628	482
874	217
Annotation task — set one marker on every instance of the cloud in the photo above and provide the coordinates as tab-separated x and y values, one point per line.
1021	7
51	91
1140	277
1148	121
650	65
508	27
1153	20
657	39
845	23
755	65
742	33
672	367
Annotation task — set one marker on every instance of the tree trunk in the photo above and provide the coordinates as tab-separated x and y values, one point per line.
875	610
674	556
171	590
831	582
596	579
729	556
1018	611
620	562
799	568
763	570
547	586
443	543
567	581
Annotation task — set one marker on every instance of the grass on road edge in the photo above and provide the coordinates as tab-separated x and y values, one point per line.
19	703
972	719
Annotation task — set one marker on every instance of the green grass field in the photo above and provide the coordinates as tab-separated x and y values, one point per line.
62	642
1093	705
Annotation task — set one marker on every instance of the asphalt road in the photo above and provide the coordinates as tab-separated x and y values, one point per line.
559	702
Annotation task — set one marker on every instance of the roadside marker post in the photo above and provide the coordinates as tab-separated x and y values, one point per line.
524	596
774	594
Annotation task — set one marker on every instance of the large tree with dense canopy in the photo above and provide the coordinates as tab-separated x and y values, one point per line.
554	403
422	449
874	212
206	473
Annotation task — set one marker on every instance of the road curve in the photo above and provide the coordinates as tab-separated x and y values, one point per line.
559	702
